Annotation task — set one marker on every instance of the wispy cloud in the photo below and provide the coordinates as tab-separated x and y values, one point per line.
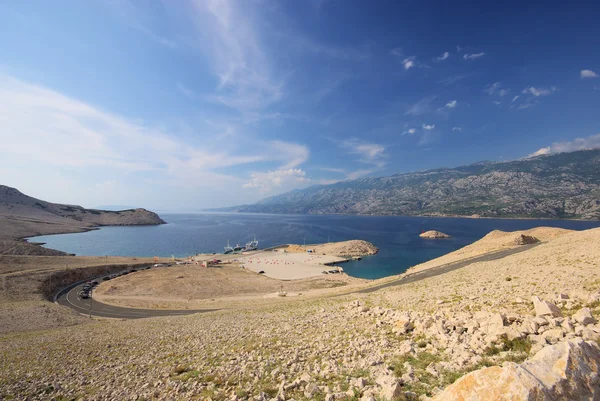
187	92
588	74
496	89
243	68
410	131
456	129
70	135
591	142
278	180
451	104
421	107
369	153
539	91
428	127
397	52
514	99
453	79
473	56
409	62
443	57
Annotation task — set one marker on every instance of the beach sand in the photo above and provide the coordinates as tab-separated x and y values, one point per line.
290	266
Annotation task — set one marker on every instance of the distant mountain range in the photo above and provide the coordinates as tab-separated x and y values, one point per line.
561	185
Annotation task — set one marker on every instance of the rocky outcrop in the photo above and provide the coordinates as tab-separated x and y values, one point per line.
433	234
562	185
565	371
525	240
22	216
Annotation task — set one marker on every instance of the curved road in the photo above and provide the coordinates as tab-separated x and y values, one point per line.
98	309
436	271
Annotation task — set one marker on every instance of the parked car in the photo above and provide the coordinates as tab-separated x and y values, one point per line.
261	272
84	294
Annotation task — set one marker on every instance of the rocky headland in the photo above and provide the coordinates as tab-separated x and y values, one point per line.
22	216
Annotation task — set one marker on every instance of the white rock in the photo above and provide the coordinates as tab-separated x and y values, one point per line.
584	316
545	308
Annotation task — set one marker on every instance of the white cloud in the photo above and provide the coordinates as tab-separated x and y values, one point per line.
496	89
452	104
591	142
514	99
43	130
443	57
428	127
370	153
539	91
497	103
456	129
410	131
421	107
491	89
588	74
473	56
409	62
278	180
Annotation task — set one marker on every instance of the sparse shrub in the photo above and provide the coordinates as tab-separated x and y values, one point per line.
508	279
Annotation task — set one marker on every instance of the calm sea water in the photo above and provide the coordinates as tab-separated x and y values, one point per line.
397	237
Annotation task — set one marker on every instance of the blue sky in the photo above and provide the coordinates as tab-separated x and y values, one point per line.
179	105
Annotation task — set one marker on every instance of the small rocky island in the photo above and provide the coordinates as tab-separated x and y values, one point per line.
433	234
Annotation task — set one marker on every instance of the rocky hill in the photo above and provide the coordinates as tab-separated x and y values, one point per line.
23	216
562	185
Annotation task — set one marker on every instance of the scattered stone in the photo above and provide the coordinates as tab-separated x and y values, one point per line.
545	308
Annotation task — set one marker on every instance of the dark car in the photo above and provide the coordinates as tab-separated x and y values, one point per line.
261	272
95	282
84	294
106	278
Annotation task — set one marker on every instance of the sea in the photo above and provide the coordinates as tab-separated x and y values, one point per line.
397	237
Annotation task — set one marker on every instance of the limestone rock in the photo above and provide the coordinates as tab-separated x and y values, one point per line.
545	308
584	316
565	371
390	386
433	234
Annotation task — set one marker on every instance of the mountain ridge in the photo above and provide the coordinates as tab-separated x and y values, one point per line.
559	185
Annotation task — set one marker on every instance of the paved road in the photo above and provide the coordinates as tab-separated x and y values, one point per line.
445	269
72	300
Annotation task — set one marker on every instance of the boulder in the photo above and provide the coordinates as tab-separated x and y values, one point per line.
565	371
390	387
545	308
433	234
584	316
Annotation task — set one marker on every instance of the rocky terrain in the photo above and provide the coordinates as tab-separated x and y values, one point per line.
342	248
561	185
23	216
518	328
433	234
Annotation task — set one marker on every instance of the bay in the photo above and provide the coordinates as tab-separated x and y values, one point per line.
397	237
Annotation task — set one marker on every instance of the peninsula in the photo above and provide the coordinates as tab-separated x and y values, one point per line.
23	216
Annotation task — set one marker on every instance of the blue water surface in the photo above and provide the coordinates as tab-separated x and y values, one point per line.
397	237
